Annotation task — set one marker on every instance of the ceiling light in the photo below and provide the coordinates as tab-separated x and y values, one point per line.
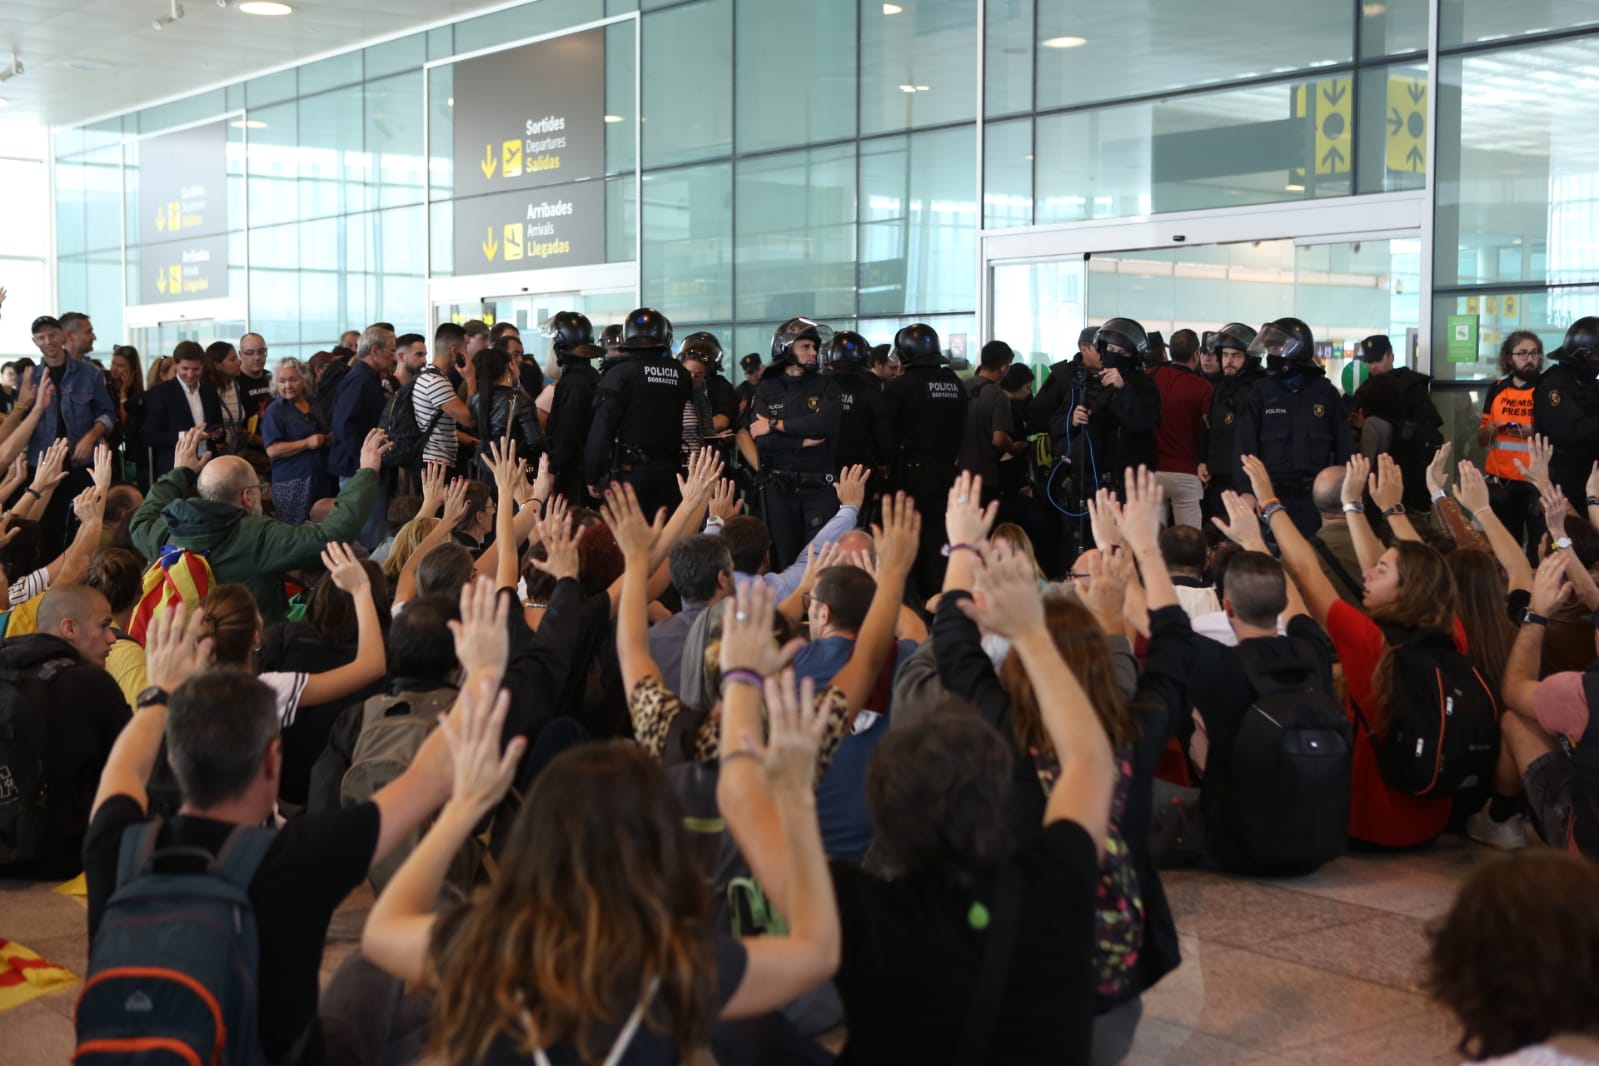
248	124
264	7
921	88
450	102
1064	42
1293	187
892	9
86	64
615	118
907	88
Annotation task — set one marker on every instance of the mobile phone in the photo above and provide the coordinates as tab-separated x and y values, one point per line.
204	449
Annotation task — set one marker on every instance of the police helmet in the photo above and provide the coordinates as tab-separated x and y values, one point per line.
792	331
611	337
1232	335
1582	341
568	329
847	350
704	347
646	329
1125	334
1287	341
918	345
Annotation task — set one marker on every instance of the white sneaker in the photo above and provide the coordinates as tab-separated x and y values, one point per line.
1512	834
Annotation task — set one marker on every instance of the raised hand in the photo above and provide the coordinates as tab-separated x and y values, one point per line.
560	547
1259	479
482	772
1471	490
454	504
1005	597
1242	525
433	486
1387	485
1140	516
724	500
482	643
1555	509
898	536
175	647
542	486
187	451
1536	468
1107	588
817	559
1438	470
634	534
89	505
704	469
372	449
747	642
852	485
50	470
795	727
1550	587
507	469
1102	512
1357	471
102	468
966	520
345	568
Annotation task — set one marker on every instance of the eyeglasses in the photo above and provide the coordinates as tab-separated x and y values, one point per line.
259	486
253	351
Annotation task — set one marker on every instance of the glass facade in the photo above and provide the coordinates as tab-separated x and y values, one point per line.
845	158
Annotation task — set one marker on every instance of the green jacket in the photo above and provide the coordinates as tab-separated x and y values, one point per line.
243	548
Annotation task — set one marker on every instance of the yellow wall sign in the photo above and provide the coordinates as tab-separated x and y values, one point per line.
1334	125
1407	124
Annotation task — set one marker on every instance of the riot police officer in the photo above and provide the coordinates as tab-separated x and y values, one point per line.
794	421
637	431
572	405
1565	408
715	399
1294	421
1229	346
611	342
927	406
865	437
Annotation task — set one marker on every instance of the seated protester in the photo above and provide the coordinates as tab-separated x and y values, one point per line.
328	638
1408	588
401	510
750	541
234	626
1550	734
920	979
22	554
838	606
75	710
1333	542
225	521
674	731
1184	552
599	844
1514	961
222	737
69	568
118	575
1135	938
702	573
478	522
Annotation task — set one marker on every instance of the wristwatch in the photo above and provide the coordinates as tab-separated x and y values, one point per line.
1529	617
1396	509
1356	507
1562	543
150	697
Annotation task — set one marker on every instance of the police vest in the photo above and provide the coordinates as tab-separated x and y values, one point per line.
1513	405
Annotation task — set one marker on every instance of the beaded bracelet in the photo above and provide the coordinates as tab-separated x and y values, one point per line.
741	675
951	549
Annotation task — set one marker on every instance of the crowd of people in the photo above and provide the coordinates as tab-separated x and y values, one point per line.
672	718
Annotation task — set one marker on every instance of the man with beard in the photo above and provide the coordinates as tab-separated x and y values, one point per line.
1229	347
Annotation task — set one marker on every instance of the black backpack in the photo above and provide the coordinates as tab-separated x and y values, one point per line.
1443	720
1284	797
407	440
24	784
327	389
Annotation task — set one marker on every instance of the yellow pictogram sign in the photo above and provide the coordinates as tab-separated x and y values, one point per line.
490	245
511	158
1334	125
161	281
175	278
1407	124
174	215
513	241
489	163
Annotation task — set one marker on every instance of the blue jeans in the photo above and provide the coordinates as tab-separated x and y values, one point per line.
377	523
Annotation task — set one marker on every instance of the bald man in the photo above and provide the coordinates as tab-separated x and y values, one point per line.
75	707
1334	546
223	520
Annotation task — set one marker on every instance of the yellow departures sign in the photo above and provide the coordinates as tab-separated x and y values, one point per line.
489	163
490	245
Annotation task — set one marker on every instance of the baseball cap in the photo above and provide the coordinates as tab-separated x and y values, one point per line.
45	322
1374	347
750	363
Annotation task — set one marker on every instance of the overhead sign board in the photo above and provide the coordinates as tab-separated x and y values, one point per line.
183	214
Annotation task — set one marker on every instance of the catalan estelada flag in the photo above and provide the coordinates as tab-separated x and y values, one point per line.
25	976
177	576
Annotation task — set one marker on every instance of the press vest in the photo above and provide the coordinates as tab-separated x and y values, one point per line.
1508	404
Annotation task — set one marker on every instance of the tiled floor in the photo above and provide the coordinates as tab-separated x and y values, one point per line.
1312	971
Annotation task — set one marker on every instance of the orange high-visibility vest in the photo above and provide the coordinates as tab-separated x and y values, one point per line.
1509	404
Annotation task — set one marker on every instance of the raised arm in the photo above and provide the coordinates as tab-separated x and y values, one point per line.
371	663
17	430
1357	479
704	470
454	511
49	471
1387	487
817	558
896	551
1139	522
501	558
1297	554
1472	492
637	538
1549	591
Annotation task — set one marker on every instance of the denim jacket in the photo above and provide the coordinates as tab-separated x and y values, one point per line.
86	401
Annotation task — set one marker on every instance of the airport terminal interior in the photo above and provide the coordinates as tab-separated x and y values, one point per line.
1372	191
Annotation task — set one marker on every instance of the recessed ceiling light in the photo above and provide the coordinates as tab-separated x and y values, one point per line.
86	64
450	102
1293	187
907	88
264	7
615	118
921	88
1064	42
248	124
892	9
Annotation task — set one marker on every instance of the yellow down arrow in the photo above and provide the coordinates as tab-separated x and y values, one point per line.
489	162
490	246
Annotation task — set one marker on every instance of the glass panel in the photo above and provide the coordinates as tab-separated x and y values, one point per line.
1099	52
1498	314
1261	144
102	202
1038	309
1392	27
271	89
1476	21
275	284
918	210
1391	148
1518	194
392	57
25	289
528	20
620	147
27	228
441	43
1008	174
688	242
182	112
324	302
688	76
333	169
813	99
796	236
395	160
331	73
918	65
621	221
274	164
1008	66
441	132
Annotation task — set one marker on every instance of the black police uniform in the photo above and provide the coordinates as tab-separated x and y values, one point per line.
1403	397
1295	423
927	405
637	432
1221	437
1565	408
1121	424
571	415
865	435
797	481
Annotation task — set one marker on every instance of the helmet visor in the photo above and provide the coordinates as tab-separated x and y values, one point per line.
1274	341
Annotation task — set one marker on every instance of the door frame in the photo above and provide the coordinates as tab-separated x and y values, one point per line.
474	288
1385	216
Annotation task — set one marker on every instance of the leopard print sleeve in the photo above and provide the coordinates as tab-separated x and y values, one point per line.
652	706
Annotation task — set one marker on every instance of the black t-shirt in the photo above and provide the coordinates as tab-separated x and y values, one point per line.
315	862
911	960
57	375
257	393
648	1047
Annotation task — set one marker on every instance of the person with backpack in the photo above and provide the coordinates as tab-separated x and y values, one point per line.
60	713
206	929
1425	722
222	527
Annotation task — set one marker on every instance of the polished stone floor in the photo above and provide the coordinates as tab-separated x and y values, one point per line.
1313	971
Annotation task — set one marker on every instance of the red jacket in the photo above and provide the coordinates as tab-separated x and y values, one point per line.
1184	402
